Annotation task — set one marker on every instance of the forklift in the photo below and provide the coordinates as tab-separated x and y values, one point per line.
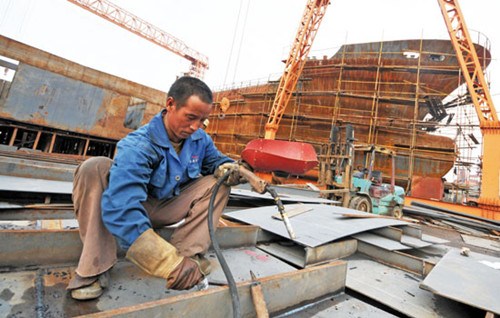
363	188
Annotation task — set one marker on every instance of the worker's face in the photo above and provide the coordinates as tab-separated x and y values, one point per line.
181	122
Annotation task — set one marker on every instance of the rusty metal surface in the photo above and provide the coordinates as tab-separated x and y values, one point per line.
471	280
301	286
400	290
44	60
370	85
327	221
25	166
31	212
53	92
427	188
58	102
42	292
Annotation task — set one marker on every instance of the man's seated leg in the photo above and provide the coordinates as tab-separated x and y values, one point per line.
99	246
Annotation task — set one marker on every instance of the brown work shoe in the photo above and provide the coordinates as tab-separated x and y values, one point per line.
93	290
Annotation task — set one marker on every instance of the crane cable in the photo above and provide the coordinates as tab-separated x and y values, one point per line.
234	41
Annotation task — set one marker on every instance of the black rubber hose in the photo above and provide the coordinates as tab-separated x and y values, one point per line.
233	290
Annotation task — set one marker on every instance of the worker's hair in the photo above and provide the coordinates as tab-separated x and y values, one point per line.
187	86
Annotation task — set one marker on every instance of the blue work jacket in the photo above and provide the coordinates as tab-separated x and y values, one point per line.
147	164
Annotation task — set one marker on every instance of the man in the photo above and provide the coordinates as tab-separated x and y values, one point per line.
161	175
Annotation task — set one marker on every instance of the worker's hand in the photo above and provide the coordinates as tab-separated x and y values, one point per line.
186	275
234	176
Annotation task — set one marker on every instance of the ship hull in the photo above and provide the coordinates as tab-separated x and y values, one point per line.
391	93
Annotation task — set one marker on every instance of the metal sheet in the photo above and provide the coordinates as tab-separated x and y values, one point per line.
18	184
284	189
433	239
466	280
243	260
323	224
338	306
39	96
398	290
414	242
242	193
381	241
481	242
17	294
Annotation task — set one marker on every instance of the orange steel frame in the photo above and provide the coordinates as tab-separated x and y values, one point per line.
480	94
134	24
311	20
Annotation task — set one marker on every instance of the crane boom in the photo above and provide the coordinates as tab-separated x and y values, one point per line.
311	20
142	28
469	61
480	94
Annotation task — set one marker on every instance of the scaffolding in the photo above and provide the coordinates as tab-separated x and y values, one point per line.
394	93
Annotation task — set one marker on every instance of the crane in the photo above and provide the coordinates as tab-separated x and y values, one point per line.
134	24
481	98
311	20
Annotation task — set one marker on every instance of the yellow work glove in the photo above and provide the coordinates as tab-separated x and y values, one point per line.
151	253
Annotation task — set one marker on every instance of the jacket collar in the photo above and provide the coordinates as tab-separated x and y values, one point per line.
158	132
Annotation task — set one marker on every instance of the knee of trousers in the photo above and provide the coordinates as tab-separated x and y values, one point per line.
93	166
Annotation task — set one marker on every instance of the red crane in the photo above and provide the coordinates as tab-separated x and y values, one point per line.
134	24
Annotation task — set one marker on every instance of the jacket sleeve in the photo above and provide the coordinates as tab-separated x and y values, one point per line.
213	157
122	211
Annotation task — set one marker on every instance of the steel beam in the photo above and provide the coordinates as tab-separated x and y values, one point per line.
310	256
396	259
280	291
21	248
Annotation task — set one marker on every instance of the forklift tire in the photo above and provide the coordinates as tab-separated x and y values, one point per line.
397	212
361	203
